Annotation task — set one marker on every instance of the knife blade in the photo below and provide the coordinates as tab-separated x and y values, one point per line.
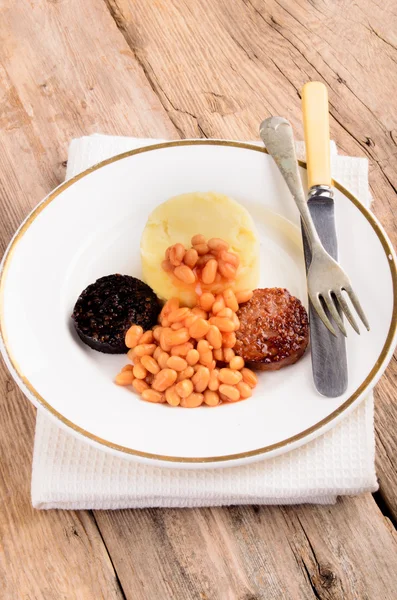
329	358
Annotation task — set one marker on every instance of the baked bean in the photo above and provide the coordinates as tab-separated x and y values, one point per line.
169	306
181	349
143	349
191	258
192	401
229	258
202	261
133	336
229	339
150	364
157	332
237	363
165	322
225	312
218	355
249	377
177	326
199	329
219	304
214	337
205	352
217	244
192	357
196	367
184	388
157	353
190	320
132	356
139	385
211	398
208	274
162	359
164	379
127	368
199	312
177	363
198	239
177	253
201	249
207	300
124	378
186	373
231	392
172	397
149	378
185	274
167	266
164	339
223	323
226	270
229	376
244	296
212	365
200	379
152	396
147	337
230	299
175	338
236	321
244	389
228	354
213	383
178	315
139	371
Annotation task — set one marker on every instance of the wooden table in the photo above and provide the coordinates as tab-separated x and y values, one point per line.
190	68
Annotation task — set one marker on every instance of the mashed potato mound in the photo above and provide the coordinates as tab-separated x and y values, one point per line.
179	219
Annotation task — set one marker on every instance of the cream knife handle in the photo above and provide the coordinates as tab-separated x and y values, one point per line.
316	126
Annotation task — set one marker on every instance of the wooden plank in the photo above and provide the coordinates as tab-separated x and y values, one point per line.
345	551
386	438
49	555
78	79
73	80
261	55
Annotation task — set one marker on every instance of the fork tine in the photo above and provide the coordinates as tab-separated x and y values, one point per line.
357	305
315	300
329	301
345	307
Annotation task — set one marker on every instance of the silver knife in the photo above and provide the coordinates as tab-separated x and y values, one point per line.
329	358
328	351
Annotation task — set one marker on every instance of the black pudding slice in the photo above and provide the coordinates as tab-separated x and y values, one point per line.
107	308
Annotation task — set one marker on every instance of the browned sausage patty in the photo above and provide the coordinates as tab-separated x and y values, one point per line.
274	330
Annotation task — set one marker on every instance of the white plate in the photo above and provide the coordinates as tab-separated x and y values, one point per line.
91	226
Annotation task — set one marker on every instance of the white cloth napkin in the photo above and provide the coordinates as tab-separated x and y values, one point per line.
69	473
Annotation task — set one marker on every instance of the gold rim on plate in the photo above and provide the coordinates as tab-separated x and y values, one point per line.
387	247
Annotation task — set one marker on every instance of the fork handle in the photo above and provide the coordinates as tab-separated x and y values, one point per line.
316	127
278	137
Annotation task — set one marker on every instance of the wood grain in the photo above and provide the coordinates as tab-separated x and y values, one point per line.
344	551
169	68
51	555
261	55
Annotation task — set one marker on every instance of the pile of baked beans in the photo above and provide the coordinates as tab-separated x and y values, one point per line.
188	358
207	261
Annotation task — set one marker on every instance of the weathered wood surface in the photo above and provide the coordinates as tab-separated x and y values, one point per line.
174	68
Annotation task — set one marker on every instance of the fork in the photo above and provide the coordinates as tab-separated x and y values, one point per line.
326	280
